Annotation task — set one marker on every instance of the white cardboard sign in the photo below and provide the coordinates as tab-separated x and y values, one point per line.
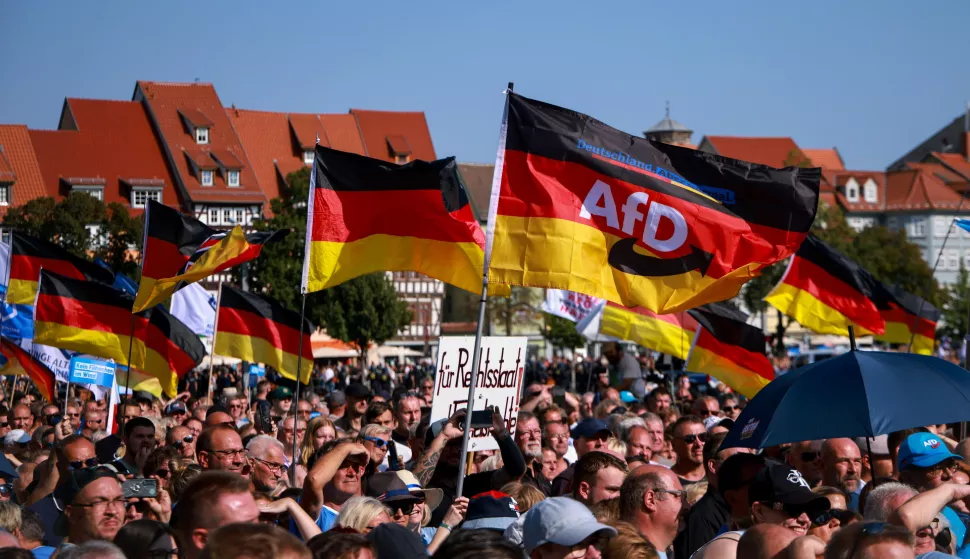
499	381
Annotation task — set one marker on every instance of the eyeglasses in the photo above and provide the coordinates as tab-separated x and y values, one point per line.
559	437
937	470
379	443
689	439
707	413
227	453
535	434
729	409
81	464
4	425
6	489
271	466
406	507
101	504
682	493
809	456
825	517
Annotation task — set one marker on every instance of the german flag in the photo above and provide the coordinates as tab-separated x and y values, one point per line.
729	349
587	208
21	362
366	215
180	250
827	292
259	329
92	318
905	313
29	254
667	333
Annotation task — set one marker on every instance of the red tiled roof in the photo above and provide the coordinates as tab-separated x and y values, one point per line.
20	159
841	179
825	158
342	132
377	126
917	190
398	145
195	117
113	142
774	152
200	157
164	101
307	128
827	198
955	162
942	172
227	159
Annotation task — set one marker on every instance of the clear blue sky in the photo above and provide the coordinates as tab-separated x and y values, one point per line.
872	78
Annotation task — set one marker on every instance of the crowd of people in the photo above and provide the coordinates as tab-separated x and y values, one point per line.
356	470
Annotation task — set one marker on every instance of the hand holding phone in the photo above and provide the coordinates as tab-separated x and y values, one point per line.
140	488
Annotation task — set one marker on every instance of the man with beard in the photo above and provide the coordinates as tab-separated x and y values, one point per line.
689	437
334	477
358	398
841	465
438	465
407	416
528	437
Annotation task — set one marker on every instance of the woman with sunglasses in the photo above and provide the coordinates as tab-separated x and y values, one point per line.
375	439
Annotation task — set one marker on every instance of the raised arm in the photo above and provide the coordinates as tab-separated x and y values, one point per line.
322	472
920	511
426	464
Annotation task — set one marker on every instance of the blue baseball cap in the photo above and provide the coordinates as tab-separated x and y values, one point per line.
562	521
589	427
627	397
923	450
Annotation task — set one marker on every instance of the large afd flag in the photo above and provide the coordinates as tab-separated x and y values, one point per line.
579	205
671	334
20	361
826	292
910	320
729	349
180	250
96	319
29	254
259	329
366	215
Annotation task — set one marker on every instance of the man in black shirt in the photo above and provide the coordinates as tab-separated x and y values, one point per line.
528	437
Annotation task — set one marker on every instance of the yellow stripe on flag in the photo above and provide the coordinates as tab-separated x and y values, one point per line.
647	331
809	311
259	350
739	379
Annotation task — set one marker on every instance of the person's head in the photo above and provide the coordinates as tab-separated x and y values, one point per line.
841	464
346	482
363	514
597	476
303	410
147	538
375	438
21	418
266	456
882	462
659	400
94	506
194	426
181	438
780	495
31	529
253	541
216	415
318	431
706	406
556	435
804	457
10	517
655	429
731	408
220	448
358	398
338	544
236	407
281	398
211	500
393	493
589	435
638	443
713	458
291	430
525	495
478	544
688	440
528	436
92	549
139	434
871	540
74	453
884	499
925	462
550	463
560	527
130	411
407	412
764	541
379	413
162	462
652	499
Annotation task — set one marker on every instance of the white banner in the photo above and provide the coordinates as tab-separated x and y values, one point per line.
59	362
499	381
569	305
196	308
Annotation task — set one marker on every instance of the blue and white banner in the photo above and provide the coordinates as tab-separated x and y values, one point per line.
196	308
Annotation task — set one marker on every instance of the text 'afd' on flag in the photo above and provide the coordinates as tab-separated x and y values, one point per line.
588	208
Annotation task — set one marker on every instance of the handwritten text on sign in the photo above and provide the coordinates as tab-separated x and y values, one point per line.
498	382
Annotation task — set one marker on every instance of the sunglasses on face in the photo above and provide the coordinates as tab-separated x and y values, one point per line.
825	517
162	473
81	464
379	443
185	440
689	439
406	507
809	456
729	409
707	413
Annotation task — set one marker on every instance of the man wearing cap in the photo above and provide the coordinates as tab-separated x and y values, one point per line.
528	437
94	506
560	527
145	400
281	398
925	462
389	489
358	397
430	499
589	434
492	510
177	411
337	404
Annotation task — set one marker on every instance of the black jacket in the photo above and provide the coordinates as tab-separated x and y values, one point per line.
704	521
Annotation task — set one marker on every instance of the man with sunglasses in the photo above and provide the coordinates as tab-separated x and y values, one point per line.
74	452
804	457
731	408
923	514
290	431
266	455
689	436
181	438
334	476
388	488
375	439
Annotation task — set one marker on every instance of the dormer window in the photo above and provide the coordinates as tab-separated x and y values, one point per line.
308	157
96	192
202	135
5	194
852	190
206	177
141	196
232	178
869	192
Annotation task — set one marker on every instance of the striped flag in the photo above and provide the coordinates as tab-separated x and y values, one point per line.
20	361
900	314
671	334
29	254
729	349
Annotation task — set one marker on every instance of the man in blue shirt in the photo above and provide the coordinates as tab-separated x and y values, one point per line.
334	476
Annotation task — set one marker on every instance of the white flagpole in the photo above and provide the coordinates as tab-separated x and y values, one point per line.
215	332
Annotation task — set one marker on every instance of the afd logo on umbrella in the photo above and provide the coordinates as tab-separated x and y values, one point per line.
748	430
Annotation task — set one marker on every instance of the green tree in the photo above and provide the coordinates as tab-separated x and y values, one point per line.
957	307
363	310
521	307
66	223
561	333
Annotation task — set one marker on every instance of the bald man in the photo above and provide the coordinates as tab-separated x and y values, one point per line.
651	498
765	541
841	465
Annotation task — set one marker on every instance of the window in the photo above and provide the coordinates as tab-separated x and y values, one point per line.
401	159
241	217
227	217
214	217
917	227
892	223
206	178
232	178
93	191
852	190
5	195
140	197
952	256
939	226
308	157
869	192
202	135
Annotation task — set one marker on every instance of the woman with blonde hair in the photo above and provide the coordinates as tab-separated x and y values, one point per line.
628	544
363	514
318	431
525	495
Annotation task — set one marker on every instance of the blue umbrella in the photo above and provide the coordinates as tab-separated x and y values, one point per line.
857	394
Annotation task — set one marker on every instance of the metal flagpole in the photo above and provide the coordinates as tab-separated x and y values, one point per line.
476	353
215	332
131	336
296	399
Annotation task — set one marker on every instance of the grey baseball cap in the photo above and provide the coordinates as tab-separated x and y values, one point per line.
559	520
